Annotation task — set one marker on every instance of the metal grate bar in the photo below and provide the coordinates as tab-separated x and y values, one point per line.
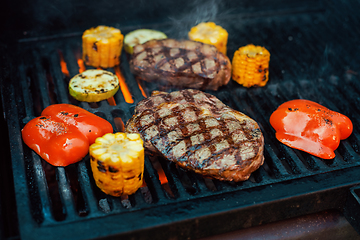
175	180
84	181
155	183
292	157
299	46
59	78
241	103
41	79
24	87
71	59
130	79
42	189
66	194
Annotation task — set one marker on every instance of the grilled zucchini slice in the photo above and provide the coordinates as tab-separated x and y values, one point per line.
141	36
93	85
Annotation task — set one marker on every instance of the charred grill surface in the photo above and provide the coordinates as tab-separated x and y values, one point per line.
185	63
314	55
198	132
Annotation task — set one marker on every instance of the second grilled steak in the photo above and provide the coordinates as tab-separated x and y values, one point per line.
200	133
185	64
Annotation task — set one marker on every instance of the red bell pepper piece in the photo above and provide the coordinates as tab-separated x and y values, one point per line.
63	133
310	127
87	123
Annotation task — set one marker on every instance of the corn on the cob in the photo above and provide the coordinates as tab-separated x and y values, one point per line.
93	85
102	46
117	162
210	33
250	66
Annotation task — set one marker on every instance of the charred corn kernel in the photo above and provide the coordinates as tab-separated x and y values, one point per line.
141	36
102	46
250	66
117	163
210	33
93	85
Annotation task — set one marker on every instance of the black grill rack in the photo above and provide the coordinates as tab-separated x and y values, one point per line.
314	55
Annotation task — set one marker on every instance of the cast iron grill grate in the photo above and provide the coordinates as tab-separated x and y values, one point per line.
310	59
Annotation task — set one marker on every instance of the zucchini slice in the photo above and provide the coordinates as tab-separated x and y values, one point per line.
141	36
93	85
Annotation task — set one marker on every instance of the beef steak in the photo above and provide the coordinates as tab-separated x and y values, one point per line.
185	64
198	132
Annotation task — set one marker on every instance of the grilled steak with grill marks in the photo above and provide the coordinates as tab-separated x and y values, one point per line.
200	133
185	64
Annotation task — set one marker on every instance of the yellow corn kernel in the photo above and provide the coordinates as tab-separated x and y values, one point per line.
117	163
102	46
210	33
250	66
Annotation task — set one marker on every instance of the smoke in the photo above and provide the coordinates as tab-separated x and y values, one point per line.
325	64
205	11
198	11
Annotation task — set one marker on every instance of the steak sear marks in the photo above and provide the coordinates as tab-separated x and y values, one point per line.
199	133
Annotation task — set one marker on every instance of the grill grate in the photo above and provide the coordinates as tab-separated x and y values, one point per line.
313	56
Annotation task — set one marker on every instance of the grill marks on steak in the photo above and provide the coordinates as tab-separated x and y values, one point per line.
186	64
198	132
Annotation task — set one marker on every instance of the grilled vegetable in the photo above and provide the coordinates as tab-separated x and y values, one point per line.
210	33
102	46
250	66
89	124
141	36
63	133
57	143
93	85
117	162
310	127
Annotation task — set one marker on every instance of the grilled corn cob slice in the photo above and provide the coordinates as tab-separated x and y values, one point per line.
250	66
141	36
93	85
117	163
102	46
210	33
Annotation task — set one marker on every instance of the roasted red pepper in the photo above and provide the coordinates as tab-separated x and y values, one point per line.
310	127
87	123
63	133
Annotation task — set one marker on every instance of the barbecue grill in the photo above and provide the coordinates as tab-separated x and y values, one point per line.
314	55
